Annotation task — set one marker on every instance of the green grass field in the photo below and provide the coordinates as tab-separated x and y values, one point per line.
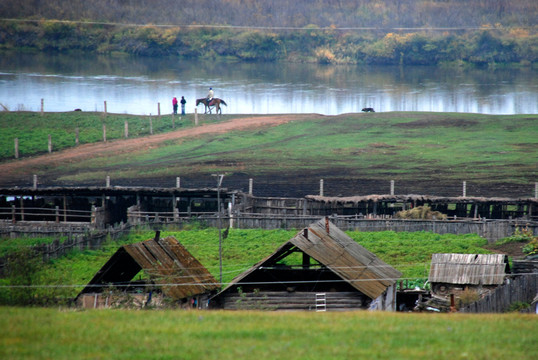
32	129
407	144
34	333
404	145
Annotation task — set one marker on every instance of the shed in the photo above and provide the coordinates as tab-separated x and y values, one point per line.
453	273
172	271
320	268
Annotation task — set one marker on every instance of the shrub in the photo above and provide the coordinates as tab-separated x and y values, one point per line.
532	247
518	306
468	296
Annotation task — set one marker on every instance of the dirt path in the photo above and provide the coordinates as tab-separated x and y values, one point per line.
24	168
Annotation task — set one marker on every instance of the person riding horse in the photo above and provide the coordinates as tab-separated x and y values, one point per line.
216	102
210	101
209	96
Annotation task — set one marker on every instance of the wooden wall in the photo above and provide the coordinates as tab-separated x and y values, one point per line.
522	289
265	300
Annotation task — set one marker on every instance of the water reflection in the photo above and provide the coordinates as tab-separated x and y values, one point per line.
136	85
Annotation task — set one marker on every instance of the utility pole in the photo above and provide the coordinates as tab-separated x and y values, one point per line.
220	177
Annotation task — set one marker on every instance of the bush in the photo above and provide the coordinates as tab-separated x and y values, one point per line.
518	306
468	296
532	247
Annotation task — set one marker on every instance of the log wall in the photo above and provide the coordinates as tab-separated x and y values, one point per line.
265	300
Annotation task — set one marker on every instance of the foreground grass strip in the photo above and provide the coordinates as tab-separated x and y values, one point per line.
40	333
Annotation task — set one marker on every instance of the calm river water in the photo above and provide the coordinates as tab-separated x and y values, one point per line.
137	85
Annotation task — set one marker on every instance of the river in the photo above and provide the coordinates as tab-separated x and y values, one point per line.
137	85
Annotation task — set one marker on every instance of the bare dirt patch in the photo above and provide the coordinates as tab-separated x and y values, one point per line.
512	249
448	122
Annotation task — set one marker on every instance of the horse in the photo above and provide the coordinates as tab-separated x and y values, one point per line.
215	103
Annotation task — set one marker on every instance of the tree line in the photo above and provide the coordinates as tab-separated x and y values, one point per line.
497	45
283	13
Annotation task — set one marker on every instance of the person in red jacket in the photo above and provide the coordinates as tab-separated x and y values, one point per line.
174	104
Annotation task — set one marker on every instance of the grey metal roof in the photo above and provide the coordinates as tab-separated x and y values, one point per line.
472	269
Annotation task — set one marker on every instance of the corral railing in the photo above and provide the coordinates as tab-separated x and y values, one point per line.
16	214
520	289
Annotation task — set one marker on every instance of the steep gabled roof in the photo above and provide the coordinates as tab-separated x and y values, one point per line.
165	260
332	248
472	269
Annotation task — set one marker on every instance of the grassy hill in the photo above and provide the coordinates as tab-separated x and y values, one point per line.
354	151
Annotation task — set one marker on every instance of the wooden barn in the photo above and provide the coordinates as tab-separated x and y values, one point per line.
455	273
322	269
172	271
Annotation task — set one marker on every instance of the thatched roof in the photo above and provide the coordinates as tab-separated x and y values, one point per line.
111	191
471	269
332	248
165	260
413	197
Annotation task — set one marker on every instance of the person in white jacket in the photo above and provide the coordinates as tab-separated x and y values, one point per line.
210	95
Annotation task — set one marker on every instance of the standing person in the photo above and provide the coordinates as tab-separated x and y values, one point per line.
183	102
174	104
210	95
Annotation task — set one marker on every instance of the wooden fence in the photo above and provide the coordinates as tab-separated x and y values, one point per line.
125	132
55	214
492	230
88	240
521	288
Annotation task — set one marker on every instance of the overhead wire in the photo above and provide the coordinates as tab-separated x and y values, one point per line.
231	282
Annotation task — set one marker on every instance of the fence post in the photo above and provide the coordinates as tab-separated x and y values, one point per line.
392	187
57	214
35	182
50	143
126	129
150	125
16	148
65	209
93	216
195	116
42	106
159	110
105	113
76	136
21	201
464	189
107	181
178	182
250	185
230	215
13	214
173	121
321	187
